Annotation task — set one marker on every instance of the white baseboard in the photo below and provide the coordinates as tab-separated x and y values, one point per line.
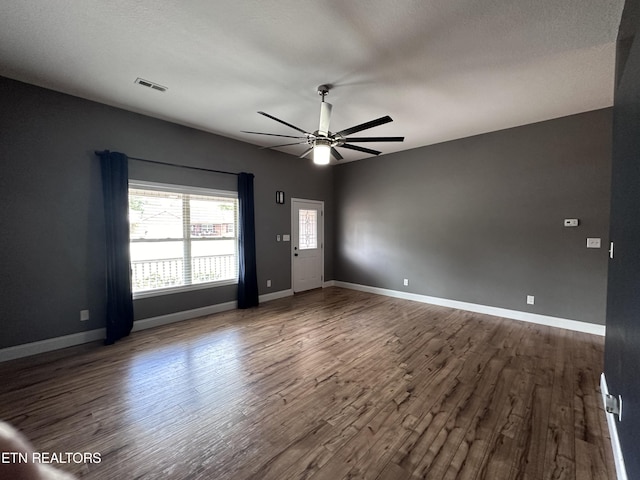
50	344
33	348
621	470
145	323
267	297
472	307
329	283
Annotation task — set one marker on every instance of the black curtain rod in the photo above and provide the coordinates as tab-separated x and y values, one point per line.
177	165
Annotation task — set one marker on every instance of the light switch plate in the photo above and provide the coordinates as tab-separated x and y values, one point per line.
286	237
593	243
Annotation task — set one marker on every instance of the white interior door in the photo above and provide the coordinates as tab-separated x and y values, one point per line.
307	243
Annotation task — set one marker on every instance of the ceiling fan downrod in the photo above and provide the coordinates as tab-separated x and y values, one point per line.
325	112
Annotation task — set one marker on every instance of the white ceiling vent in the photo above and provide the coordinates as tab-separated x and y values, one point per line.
147	83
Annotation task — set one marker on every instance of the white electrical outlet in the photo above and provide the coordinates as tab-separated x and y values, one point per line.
530	299
268	283
406	282
84	315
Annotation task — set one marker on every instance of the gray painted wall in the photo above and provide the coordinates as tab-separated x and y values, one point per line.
480	220
52	247
477	220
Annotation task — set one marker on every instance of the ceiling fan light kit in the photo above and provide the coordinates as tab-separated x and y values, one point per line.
322	142
322	151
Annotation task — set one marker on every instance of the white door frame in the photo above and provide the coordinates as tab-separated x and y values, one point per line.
294	218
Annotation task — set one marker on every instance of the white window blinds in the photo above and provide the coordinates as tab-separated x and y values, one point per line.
181	237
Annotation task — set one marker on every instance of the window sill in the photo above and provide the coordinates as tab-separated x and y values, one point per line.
158	292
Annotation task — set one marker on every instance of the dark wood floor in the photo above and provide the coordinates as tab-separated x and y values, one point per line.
329	384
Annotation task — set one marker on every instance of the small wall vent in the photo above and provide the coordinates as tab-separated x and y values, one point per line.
147	83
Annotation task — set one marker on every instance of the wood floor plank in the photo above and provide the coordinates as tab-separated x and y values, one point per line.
328	384
560	444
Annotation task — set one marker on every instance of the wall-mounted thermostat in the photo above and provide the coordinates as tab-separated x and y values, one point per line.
570	222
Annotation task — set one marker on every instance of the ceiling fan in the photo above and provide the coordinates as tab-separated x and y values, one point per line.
322	142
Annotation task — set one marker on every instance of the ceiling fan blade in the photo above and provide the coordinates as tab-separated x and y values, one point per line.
306	152
336	154
374	139
271	134
325	118
360	149
283	122
283	145
364	126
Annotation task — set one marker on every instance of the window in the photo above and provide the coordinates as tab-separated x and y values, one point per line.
181	237
308	229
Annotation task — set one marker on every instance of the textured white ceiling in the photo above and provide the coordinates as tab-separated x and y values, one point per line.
442	69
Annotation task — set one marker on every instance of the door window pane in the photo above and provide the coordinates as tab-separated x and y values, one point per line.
307	229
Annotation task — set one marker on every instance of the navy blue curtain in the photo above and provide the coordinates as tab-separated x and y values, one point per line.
115	189
248	277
